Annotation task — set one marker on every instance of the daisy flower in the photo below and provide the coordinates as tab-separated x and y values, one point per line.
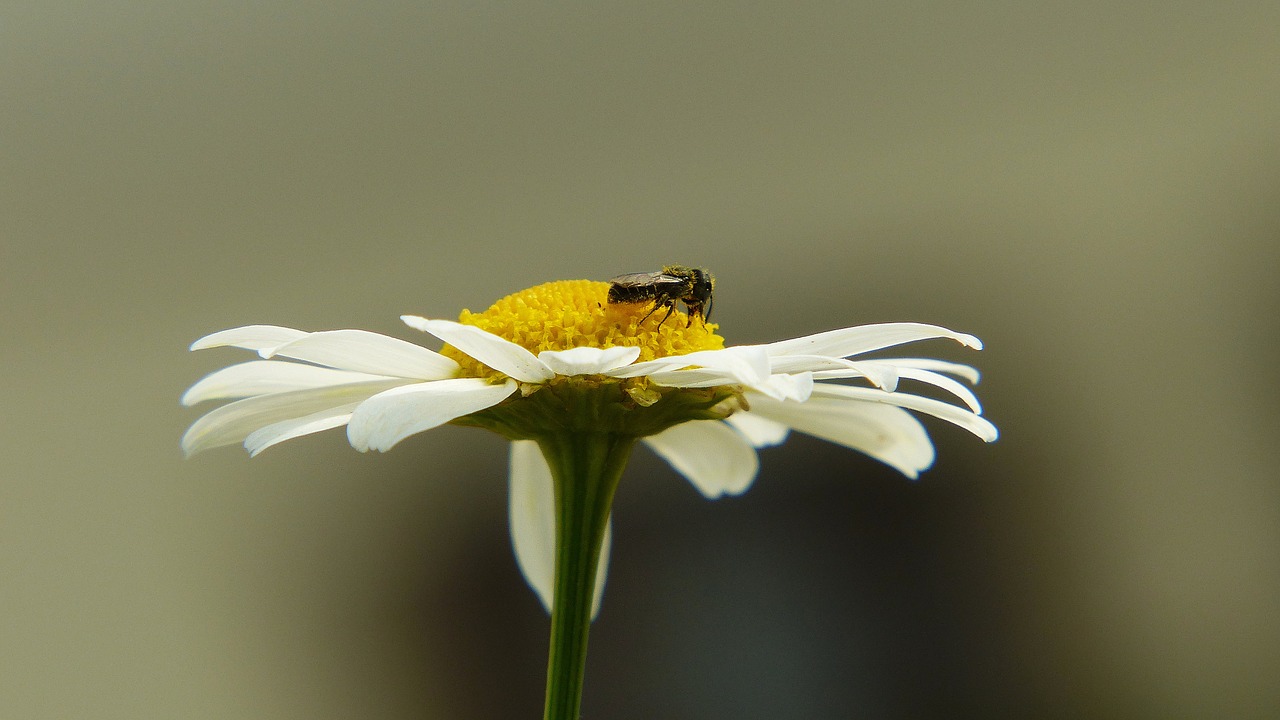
574	381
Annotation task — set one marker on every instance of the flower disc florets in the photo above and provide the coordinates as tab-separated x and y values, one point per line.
566	314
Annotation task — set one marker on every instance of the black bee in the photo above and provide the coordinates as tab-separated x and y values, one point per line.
691	286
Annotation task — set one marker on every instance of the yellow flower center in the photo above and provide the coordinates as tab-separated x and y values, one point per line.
566	314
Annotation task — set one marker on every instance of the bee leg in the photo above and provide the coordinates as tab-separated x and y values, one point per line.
652	310
692	310
671	307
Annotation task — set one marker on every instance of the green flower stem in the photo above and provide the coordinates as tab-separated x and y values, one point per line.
585	467
586	428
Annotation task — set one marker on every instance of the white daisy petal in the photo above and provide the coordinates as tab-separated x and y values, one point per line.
531	511
744	365
696	378
944	411
588	360
758	430
249	337
882	375
232	423
261	377
496	352
532	515
389	417
942	381
787	387
886	433
865	338
748	364
276	433
717	459
364	351
968	372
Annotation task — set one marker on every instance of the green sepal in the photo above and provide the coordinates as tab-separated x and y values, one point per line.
604	405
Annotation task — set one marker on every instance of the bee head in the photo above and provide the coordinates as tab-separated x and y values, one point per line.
703	284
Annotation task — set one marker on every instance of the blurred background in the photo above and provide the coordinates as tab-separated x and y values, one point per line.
1093	188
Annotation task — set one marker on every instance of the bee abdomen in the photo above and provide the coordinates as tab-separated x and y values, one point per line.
630	293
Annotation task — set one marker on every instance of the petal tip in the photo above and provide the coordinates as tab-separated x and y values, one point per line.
190	446
356	436
414	321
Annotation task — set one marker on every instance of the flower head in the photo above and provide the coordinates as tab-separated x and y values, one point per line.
560	358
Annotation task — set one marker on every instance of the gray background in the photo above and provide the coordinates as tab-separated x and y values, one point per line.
1092	188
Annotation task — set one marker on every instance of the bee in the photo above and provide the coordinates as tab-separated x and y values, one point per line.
691	286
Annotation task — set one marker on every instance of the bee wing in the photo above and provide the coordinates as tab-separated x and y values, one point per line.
646	278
